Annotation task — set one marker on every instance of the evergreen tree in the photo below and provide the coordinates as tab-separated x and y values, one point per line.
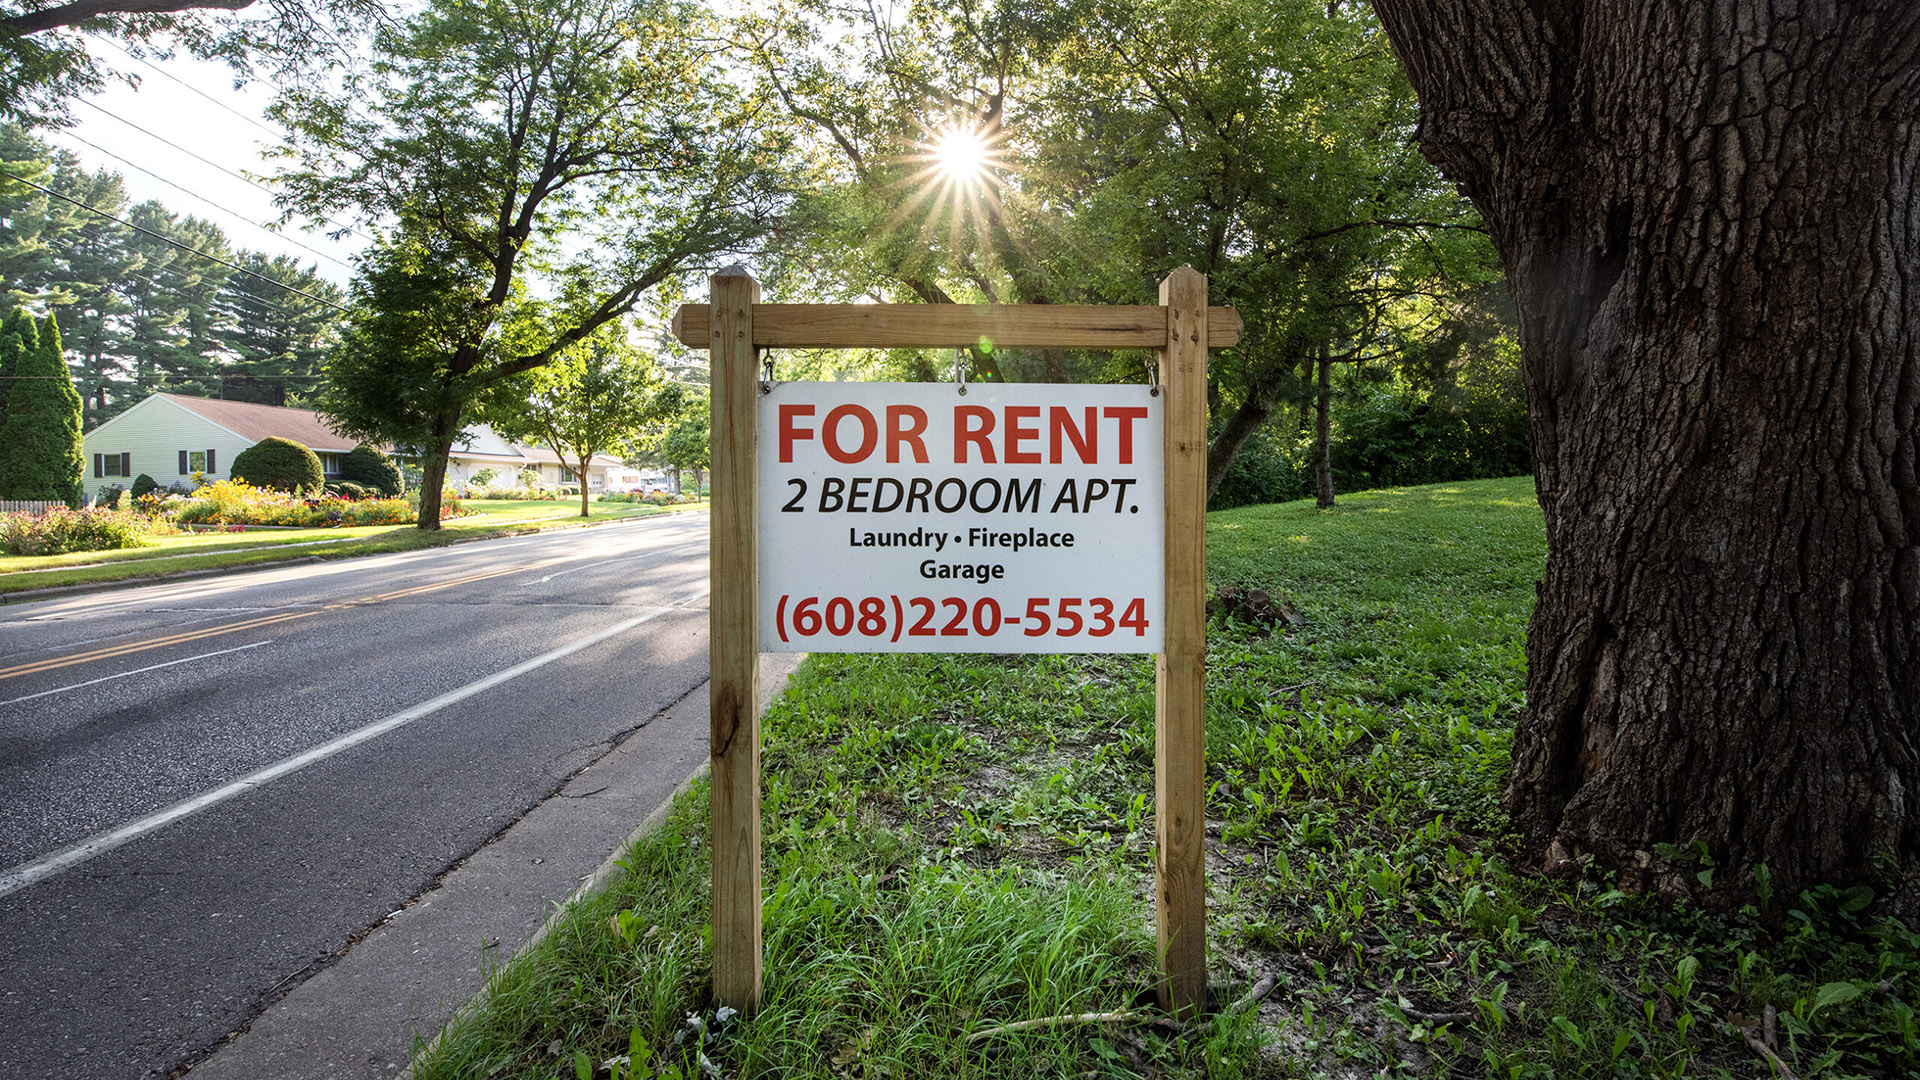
274	339
34	225
10	349
42	427
171	338
100	264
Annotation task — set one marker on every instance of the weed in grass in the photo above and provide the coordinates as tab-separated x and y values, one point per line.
955	843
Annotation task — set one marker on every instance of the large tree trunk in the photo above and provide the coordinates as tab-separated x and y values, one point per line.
433	468
1708	219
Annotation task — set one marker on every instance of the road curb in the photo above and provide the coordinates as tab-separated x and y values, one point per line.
608	873
610	870
365	1013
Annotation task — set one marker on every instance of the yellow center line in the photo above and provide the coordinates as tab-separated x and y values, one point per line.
183	637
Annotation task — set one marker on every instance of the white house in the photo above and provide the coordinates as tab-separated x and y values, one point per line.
171	436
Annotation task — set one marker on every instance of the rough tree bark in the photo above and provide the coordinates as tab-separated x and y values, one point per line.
433	471
1708	217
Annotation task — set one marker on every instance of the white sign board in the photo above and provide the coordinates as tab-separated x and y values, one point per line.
912	517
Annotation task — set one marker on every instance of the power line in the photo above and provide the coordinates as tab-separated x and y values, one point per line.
75	249
175	243
277	136
211	164
194	195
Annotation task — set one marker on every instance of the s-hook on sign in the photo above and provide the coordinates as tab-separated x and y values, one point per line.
929	517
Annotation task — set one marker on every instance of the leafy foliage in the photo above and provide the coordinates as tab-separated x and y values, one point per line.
593	143
237	502
40	442
686	439
371	467
45	60
139	315
1266	144
59	531
280	464
599	394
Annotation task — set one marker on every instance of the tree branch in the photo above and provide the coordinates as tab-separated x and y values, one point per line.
53	18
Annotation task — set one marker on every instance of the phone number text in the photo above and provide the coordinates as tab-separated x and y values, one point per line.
890	617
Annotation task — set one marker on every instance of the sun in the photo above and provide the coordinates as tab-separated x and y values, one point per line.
960	153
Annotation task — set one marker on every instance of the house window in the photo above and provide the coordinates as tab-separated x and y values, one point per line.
567	477
196	461
330	464
114	464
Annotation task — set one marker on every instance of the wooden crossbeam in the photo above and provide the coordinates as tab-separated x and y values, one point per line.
900	326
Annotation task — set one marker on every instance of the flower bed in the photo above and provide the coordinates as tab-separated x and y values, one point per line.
236	502
658	498
60	530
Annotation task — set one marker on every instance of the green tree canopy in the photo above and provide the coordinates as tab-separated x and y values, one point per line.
594	144
45	59
1264	142
597	395
686	438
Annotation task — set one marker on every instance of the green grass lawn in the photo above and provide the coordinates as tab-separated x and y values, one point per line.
217	550
956	843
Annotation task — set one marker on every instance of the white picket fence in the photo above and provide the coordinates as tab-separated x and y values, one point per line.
26	506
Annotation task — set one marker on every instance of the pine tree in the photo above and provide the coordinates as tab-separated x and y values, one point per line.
275	340
35	226
171	339
42	427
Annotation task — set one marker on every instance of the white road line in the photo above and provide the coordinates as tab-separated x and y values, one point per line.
100	843
136	671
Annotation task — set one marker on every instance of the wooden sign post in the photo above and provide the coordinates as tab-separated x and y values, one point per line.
1182	328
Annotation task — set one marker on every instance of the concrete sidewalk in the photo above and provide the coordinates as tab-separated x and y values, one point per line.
361	1017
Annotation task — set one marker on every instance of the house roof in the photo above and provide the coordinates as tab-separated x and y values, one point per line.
304	426
543	455
256	422
482	441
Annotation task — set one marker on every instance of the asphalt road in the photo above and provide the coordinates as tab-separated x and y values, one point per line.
209	790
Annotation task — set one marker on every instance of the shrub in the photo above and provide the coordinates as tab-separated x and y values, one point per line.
59	531
482	478
143	484
528	477
280	464
1267	470
371	468
112	497
347	489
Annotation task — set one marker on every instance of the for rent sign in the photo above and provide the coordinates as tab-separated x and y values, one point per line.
910	517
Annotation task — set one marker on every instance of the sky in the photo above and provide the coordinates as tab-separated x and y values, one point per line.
186	137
